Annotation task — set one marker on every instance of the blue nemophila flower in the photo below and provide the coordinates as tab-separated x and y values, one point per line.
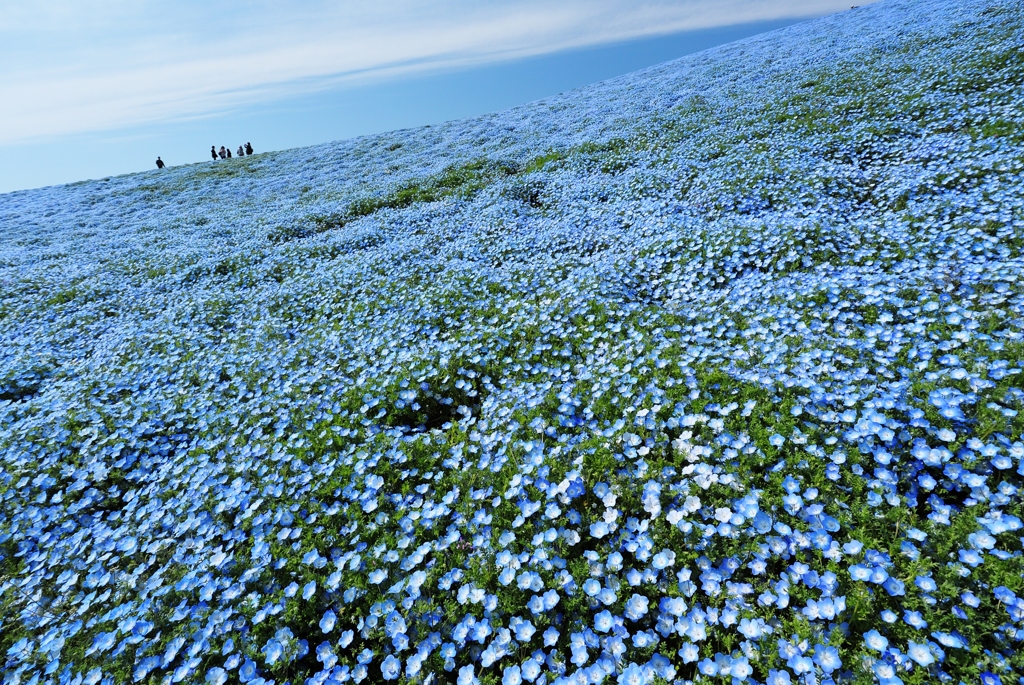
853	547
751	630
523	630
971	557
981	540
954	640
272	651
1004	594
921	653
216	676
247	671
390	668
636	607
800	664
740	668
885	672
530	670
675	606
466	676
632	674
192	391
860	572
876	640
925	583
970	599
326	655
708	667
689	652
894	587
171	651
643	639
102	643
663	559
512	675
22	649
827	658
145	666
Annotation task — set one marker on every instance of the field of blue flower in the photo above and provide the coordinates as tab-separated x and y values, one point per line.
711	373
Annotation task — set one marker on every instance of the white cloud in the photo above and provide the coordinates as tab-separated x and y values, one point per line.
72	67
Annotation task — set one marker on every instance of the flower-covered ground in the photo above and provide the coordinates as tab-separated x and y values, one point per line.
710	373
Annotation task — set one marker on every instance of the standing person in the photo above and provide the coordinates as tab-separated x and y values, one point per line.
213	151
229	153
248	149
241	151
159	163
223	153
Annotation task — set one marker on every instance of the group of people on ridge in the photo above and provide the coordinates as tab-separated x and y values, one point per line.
225	153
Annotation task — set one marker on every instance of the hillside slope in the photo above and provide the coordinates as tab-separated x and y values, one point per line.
711	371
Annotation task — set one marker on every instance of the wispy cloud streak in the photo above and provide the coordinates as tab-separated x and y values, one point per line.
74	67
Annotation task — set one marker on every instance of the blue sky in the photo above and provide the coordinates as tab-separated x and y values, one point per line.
99	87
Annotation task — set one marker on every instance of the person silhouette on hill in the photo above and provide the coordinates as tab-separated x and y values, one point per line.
213	151
159	163
248	149
223	153
229	153
241	151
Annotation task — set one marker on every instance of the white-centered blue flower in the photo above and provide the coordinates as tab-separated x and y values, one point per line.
921	653
391	667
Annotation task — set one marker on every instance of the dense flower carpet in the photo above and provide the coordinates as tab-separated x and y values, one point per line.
711	373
